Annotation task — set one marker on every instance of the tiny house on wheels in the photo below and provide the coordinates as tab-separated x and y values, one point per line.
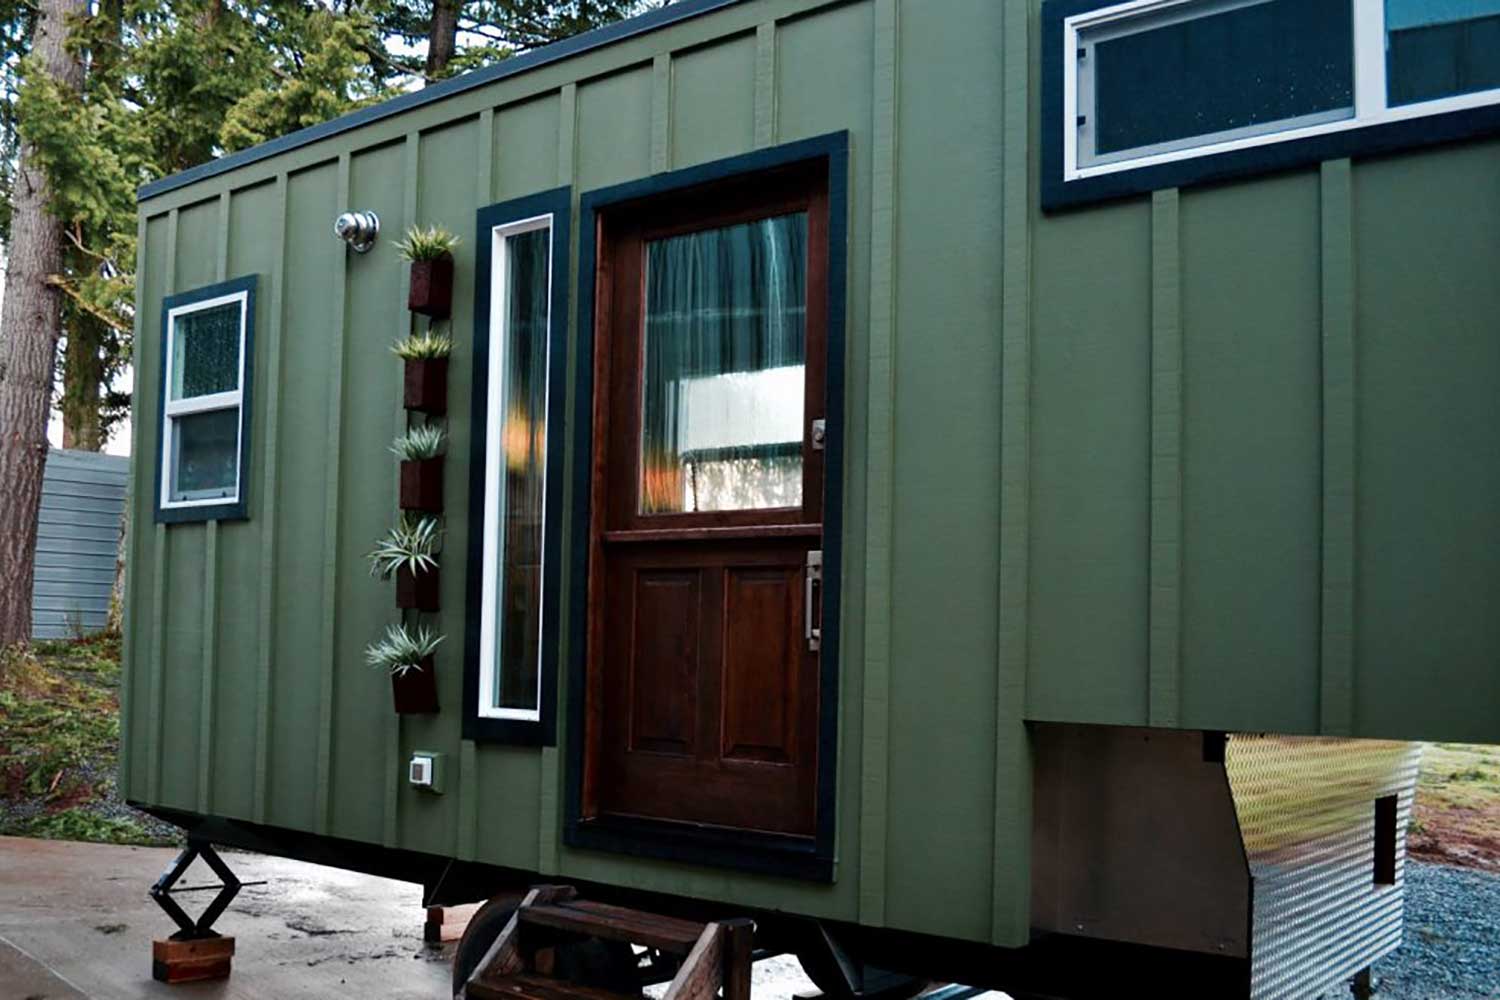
989	491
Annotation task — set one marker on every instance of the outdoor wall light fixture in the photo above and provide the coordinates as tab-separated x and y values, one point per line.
358	229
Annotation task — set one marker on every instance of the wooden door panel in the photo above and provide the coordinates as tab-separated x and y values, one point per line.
721	688
762	632
665	658
703	695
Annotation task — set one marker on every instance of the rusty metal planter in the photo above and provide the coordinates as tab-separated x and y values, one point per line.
415	691
417	591
426	385
431	291
422	485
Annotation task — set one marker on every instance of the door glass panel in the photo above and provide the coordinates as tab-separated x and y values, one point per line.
724	372
206	455
523	445
1440	48
206	352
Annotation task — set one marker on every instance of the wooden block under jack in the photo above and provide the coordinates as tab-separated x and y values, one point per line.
447	923
193	960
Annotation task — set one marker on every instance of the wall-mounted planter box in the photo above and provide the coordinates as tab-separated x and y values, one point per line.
415	692
417	591
422	485
426	385
431	287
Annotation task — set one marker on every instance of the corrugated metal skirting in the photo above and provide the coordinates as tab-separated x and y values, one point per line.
1307	816
77	533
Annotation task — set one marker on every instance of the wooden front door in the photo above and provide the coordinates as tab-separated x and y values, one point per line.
708	507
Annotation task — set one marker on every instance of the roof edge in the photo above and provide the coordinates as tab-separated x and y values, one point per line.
534	59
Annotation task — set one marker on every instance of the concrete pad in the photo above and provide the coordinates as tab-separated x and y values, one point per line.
24	977
76	924
75	921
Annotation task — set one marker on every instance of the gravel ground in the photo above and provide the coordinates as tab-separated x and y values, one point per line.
15	812
1452	946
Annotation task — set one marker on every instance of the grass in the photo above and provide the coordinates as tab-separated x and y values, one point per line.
1456	819
1457	775
60	743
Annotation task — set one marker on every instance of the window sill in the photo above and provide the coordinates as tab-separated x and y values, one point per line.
508	732
231	510
1353	143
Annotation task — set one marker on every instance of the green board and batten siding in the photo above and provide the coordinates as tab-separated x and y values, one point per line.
1215	458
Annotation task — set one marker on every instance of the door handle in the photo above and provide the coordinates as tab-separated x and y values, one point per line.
812	580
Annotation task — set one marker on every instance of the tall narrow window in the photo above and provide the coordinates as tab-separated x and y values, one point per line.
516	470
205	383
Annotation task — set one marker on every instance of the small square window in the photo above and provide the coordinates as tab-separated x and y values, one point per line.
206	376
205	455
1436	50
206	351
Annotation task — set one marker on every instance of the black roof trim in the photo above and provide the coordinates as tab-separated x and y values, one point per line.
557	51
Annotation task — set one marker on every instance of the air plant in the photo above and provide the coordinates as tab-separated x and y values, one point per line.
420	444
411	545
400	652
425	346
432	243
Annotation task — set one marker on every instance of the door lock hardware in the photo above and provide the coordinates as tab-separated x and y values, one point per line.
813	582
819	434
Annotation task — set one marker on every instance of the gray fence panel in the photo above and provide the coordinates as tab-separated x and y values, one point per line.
78	527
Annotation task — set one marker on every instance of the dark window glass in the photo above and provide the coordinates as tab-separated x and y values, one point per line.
207	452
725	368
1440	48
523	437
206	352
1242	68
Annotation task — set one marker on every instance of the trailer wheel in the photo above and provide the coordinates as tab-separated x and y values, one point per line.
606	965
484	927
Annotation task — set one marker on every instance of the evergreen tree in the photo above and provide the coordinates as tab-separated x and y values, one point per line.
137	90
30	324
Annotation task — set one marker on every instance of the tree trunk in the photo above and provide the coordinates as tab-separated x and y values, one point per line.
30	323
83	384
442	37
83	368
115	622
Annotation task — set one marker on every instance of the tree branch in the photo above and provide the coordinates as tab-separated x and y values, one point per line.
116	323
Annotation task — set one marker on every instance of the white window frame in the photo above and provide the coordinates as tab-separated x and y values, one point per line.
173	409
1370	96
494	465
